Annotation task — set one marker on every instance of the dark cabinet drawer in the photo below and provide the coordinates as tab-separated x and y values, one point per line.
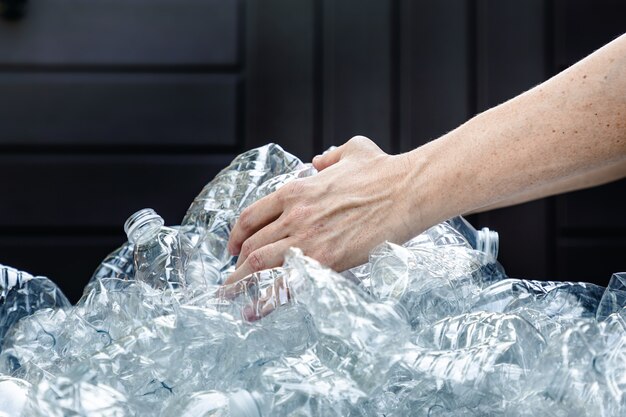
68	260
582	26
123	32
100	109
599	209
590	259
97	193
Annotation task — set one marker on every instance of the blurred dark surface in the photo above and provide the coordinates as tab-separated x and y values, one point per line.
107	107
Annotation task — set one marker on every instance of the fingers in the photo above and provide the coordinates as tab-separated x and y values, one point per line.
269	256
272	298
273	232
334	155
252	219
328	158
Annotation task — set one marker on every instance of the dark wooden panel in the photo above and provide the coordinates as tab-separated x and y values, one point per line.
582	26
127	32
67	260
590	223
601	208
357	71
511	49
81	191
280	75
117	109
591	260
511	57
525	238
436	79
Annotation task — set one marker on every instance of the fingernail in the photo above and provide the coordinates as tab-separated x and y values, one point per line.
249	314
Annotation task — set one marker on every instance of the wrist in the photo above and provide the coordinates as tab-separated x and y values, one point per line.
409	189
432	189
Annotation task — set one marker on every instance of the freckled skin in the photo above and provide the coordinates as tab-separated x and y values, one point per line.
565	134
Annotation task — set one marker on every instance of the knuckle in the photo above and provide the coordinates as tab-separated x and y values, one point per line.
257	261
360	140
295	187
313	232
299	214
282	194
292	191
245	219
247	248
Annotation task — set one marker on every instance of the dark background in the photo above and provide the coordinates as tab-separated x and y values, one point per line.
110	106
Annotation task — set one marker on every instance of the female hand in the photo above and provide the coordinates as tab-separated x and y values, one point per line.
336	217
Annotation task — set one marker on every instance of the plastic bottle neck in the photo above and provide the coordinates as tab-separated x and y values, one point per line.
488	241
143	226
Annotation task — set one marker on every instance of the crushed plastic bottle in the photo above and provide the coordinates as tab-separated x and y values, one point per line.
586	373
215	210
433	327
550	306
484	240
427	282
226	193
614	298
118	264
445	246
76	395
21	294
352	326
160	252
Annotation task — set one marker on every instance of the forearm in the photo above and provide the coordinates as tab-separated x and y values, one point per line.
592	178
533	145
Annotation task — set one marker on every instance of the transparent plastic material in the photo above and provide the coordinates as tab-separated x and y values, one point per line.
118	264
21	294
160	253
484	240
614	298
433	327
215	210
13	396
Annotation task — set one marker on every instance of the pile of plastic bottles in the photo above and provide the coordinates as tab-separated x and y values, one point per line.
433	327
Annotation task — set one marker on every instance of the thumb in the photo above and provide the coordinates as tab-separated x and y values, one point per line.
358	145
328	158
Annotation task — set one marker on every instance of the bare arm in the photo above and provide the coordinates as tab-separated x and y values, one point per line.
535	144
586	179
567	133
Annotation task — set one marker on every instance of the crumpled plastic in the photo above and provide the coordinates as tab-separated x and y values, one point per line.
433	327
21	294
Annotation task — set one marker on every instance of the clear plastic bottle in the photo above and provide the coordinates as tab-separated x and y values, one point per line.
216	209
484	240
231	187
118	265
160	252
352	325
614	298
22	294
275	183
